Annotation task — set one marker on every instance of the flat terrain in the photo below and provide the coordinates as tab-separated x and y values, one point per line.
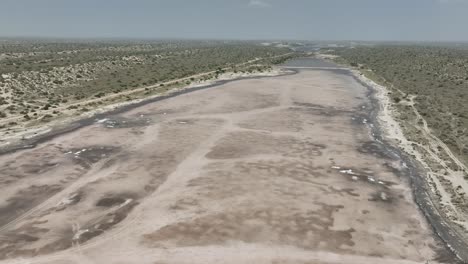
428	87
272	170
45	80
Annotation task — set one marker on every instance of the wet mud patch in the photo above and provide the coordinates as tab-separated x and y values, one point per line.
365	107
274	177
185	204
12	243
18	239
320	110
278	121
312	229
30	164
376	149
310	105
297	170
97	227
21	241
304	149
18	243
343	191
243	144
116	122
71	200
359	119
38	168
443	255
111	200
382	196
240	100
24	200
89	155
398	168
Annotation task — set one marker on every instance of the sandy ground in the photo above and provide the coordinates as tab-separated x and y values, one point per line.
272	170
26	131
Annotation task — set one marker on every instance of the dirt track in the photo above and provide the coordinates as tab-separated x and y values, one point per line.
271	170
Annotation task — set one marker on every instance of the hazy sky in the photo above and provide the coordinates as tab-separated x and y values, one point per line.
438	20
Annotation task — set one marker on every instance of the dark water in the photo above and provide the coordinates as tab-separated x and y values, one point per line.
309	62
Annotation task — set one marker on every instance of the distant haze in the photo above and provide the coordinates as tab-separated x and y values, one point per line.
400	20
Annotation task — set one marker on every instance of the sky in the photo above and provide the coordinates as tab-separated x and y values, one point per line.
379	20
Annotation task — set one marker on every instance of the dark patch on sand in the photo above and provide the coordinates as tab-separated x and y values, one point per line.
243	144
382	196
33	142
319	110
25	238
29	164
110	201
122	122
90	231
38	168
398	171
309	229
25	199
72	199
445	256
310	105
376	149
343	191
18	242
415	174
89	155
360	119
13	246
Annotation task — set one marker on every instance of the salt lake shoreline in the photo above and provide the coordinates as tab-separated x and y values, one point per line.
72	124
421	191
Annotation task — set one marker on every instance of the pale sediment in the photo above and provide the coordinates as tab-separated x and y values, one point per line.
427	190
269	170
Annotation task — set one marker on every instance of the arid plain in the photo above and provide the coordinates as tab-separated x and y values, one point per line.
270	170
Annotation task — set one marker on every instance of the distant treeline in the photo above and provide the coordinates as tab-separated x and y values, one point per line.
436	76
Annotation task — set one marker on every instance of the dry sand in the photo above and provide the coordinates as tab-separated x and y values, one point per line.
272	170
442	192
24	131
